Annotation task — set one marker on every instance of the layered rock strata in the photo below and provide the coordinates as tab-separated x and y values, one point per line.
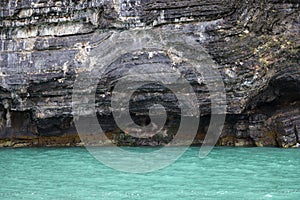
44	45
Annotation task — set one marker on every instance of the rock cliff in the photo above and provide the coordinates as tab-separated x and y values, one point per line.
45	44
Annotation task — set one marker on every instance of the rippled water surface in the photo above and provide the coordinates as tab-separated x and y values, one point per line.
227	173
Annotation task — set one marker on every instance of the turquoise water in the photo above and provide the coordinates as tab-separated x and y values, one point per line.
227	173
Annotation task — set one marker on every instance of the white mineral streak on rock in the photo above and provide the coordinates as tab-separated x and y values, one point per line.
83	54
230	72
25	13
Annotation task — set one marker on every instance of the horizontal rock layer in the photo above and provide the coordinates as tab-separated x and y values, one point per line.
45	45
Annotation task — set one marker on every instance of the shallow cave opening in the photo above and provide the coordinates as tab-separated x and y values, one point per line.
283	93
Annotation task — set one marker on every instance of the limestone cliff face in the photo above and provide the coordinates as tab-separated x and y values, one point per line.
45	44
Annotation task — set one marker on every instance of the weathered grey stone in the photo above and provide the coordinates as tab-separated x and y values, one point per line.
45	44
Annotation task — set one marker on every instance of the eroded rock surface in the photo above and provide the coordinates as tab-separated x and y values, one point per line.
45	44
